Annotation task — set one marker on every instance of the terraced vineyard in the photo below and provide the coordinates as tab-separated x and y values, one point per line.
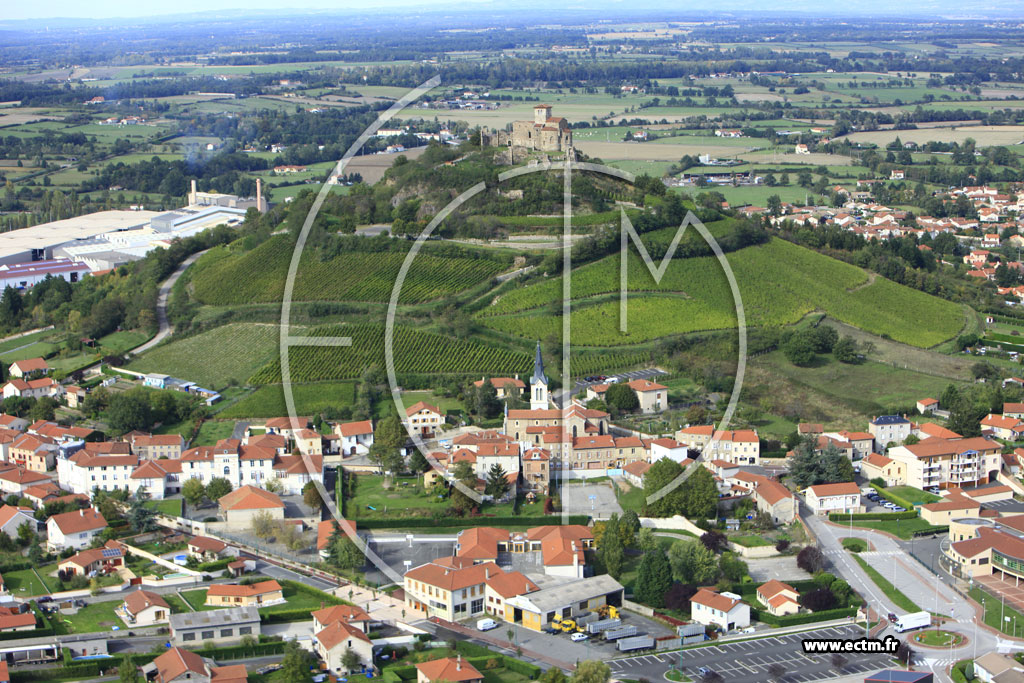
779	283
415	352
589	363
258	276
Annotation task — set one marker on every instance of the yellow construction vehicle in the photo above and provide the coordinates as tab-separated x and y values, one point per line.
608	612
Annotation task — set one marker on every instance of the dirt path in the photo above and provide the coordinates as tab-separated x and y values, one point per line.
870	281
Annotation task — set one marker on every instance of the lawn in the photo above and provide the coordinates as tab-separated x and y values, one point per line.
937	638
890	591
633	499
370	492
125	340
24	582
750	540
294	600
903	528
212	431
178	605
310	398
170	506
96	617
913	495
996	612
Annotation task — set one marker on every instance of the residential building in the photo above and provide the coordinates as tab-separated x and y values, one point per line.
424	419
33	388
258	594
505	387
74	395
825	498
451	588
778	598
37	453
157	478
13	620
333	641
926	406
503	587
1014	410
351	614
774	500
99	560
144	608
447	670
22	368
86	471
994	667
287	426
74	529
953	506
724	610
217	627
156	446
252	464
559	549
1003	427
634	472
243	503
12	517
356	437
536	464
207	549
875	466
888	429
16	479
652	397
943	463
669	448
180	666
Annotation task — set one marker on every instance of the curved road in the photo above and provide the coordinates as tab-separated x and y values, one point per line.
161	304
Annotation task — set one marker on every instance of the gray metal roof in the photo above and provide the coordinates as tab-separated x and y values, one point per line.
566	594
214	618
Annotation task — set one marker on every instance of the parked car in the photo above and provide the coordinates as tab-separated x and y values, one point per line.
899	509
705	671
45	598
578	637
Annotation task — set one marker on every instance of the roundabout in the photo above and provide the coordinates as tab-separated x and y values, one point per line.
938	638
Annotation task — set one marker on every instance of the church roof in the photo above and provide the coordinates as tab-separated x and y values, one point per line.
538	368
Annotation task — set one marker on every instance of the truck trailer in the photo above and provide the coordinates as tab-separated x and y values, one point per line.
596	627
620	632
635	643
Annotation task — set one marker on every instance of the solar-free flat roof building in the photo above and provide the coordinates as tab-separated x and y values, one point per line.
38	242
219	626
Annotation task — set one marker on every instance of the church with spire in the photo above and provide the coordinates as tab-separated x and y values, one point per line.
539	398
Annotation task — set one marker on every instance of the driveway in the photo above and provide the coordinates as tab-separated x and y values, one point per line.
161	304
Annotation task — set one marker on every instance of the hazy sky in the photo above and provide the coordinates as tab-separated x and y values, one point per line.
107	9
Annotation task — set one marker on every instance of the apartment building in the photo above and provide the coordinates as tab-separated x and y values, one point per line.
949	462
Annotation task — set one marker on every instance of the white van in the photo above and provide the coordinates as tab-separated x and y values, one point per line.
486	624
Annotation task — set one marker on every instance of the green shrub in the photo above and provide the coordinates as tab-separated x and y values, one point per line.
872	516
856	545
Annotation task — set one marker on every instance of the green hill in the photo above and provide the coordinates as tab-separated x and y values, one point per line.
779	283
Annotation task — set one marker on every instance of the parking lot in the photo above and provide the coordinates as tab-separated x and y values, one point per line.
596	500
749	661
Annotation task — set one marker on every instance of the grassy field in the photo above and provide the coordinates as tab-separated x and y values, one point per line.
370	493
904	528
913	495
213	431
217	357
170	507
24	583
93	618
294	600
996	612
268	401
890	591
694	295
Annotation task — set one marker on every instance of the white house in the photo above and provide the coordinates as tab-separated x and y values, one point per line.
12	517
331	643
74	529
669	448
356	437
84	471
724	610
889	429
825	498
424	418
20	368
33	388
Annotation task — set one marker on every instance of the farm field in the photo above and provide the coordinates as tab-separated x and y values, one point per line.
216	357
221	277
985	136
695	296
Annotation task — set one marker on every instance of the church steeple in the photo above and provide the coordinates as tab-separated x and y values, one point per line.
538	367
538	383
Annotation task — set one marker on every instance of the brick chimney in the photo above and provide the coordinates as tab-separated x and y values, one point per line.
458	663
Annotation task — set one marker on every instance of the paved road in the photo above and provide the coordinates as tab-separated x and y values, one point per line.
749	661
161	304
560	396
276	572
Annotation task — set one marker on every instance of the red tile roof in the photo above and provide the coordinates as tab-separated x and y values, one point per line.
355	428
143	599
451	669
77	521
250	498
243	591
710	598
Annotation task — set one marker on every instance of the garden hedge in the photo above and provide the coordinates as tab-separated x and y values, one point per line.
797	619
